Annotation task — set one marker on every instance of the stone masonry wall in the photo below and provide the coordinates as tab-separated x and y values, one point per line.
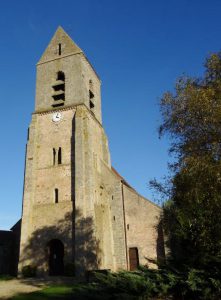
142	219
43	219
109	190
90	147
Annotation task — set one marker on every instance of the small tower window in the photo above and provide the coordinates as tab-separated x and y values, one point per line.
61	76
56	195
54	156
59	49
59	156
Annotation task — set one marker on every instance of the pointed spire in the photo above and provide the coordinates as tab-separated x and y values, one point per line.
60	45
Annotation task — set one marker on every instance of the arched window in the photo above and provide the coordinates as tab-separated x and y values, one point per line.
57	156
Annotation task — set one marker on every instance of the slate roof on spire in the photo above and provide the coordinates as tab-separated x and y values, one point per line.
67	46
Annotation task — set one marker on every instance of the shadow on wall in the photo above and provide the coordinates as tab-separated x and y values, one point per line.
160	248
161	256
80	249
70	241
87	247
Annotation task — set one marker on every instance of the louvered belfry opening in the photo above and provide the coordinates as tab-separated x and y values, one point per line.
58	94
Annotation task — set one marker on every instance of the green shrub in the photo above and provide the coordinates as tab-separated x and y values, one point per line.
166	282
202	284
132	284
29	271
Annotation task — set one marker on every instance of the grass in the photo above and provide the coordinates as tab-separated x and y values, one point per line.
52	292
74	292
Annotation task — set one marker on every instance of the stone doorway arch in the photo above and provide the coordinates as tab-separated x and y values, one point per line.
56	257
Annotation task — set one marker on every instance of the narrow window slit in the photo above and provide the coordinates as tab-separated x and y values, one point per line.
59	156
54	156
56	195
59	49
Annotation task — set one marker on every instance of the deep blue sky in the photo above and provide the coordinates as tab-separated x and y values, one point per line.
138	48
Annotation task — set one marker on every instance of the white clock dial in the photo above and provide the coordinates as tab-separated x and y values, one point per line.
56	117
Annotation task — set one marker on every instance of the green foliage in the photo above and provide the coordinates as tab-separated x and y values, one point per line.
191	118
143	284
163	283
130	283
197	284
69	269
29	271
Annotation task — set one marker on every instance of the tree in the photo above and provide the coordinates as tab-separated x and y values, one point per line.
191	117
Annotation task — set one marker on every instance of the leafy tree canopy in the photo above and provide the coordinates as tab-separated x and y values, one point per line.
191	117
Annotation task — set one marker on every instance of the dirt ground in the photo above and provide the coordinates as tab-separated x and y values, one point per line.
9	288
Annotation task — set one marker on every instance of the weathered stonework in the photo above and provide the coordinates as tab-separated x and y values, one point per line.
81	204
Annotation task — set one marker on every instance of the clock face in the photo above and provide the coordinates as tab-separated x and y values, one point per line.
56	117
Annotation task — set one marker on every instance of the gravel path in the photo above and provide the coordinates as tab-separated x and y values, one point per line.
9	288
12	287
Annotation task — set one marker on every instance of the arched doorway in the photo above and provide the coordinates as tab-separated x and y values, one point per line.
56	255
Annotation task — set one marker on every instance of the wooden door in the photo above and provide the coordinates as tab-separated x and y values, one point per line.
56	255
133	258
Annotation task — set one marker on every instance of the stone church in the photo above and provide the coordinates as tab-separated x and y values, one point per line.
77	210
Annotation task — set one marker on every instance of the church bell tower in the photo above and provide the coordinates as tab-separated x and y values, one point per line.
65	151
78	213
